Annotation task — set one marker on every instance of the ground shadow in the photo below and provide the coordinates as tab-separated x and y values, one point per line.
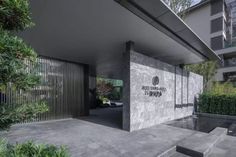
111	117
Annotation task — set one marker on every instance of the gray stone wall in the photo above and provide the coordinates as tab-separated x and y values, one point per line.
156	92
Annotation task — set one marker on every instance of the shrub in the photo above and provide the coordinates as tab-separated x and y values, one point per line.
217	103
20	113
220	99
30	149
222	88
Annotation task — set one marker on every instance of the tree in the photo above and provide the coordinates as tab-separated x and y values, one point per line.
104	88
15	15
206	69
17	62
179	6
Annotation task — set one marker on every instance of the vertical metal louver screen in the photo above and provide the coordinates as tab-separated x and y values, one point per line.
62	87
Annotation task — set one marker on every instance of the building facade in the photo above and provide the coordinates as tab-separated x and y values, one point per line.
215	22
156	92
141	42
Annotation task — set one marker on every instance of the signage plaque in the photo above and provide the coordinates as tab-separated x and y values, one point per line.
154	90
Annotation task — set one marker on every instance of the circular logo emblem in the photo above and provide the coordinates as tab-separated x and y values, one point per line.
155	80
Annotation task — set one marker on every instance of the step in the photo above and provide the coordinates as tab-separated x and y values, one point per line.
172	153
177	154
168	152
200	144
219	131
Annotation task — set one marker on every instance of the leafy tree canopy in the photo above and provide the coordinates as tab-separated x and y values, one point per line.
179	6
206	69
15	60
103	87
17	63
15	15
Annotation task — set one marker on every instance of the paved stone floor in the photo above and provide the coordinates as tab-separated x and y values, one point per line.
225	148
86	138
111	117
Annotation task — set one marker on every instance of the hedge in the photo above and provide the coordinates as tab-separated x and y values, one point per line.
217	104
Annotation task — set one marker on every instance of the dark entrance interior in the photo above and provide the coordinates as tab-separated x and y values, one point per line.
106	104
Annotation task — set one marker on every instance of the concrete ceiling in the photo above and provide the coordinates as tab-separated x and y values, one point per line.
94	32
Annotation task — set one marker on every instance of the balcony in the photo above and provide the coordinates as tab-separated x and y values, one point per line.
229	62
229	45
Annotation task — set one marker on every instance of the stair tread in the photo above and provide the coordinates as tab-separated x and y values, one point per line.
200	143
177	154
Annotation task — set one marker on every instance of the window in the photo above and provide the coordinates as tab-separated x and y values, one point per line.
217	25
216	7
217	42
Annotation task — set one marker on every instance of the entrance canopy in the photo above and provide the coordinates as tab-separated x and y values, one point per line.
94	32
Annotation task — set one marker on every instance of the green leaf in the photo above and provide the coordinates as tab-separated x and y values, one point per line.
15	15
